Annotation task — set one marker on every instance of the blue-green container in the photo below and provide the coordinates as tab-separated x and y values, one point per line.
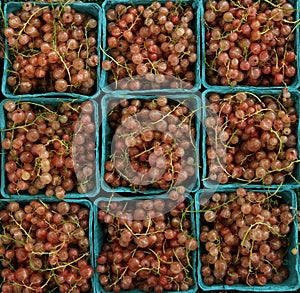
296	80
107	136
69	195
82	202
92	9
109	4
99	237
291	260
289	183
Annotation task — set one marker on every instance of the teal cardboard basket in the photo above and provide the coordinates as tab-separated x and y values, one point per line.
296	80
107	136
92	9
69	195
99	239
291	260
108	4
289	183
82	202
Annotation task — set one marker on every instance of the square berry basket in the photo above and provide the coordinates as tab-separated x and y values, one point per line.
290	182
83	203
295	83
109	88
110	139
291	259
74	194
92	9
99	236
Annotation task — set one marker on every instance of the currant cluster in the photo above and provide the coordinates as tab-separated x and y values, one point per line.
151	47
244	238
44	247
153	144
145	247
52	49
250	42
49	149
251	138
